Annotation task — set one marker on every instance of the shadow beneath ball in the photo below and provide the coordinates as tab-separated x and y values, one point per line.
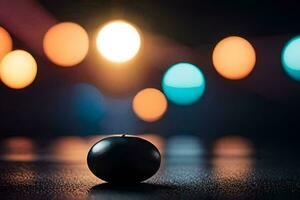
123	191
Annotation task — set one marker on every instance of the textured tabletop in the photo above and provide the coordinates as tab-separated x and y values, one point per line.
231	168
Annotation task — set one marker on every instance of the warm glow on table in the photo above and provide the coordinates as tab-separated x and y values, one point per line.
18	69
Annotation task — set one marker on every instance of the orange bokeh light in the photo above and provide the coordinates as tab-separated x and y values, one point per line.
234	57
5	42
18	69
150	104
66	44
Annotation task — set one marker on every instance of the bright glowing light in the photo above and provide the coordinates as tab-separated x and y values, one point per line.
118	41
183	83
150	104
291	58
234	57
5	42
66	44
18	69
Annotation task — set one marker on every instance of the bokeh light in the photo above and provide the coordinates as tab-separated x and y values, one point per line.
234	57
79	109
291	58
87	105
183	83
5	42
18	69
150	104
118	41
66	44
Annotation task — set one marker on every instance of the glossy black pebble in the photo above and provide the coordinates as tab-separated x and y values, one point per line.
123	159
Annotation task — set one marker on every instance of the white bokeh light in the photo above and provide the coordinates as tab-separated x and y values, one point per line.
118	41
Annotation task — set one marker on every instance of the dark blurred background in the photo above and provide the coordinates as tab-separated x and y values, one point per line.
264	106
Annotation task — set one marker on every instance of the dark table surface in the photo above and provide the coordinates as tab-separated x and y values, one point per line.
230	168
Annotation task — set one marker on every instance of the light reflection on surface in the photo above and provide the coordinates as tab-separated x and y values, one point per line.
184	160
69	149
189	146
100	146
19	149
232	169
233	160
233	146
75	149
20	175
91	140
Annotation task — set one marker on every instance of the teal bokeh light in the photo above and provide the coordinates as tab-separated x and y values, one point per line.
291	58
87	104
183	83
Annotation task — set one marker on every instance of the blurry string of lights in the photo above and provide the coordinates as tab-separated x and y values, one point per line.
66	44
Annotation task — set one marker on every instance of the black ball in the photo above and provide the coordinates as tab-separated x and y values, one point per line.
123	159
